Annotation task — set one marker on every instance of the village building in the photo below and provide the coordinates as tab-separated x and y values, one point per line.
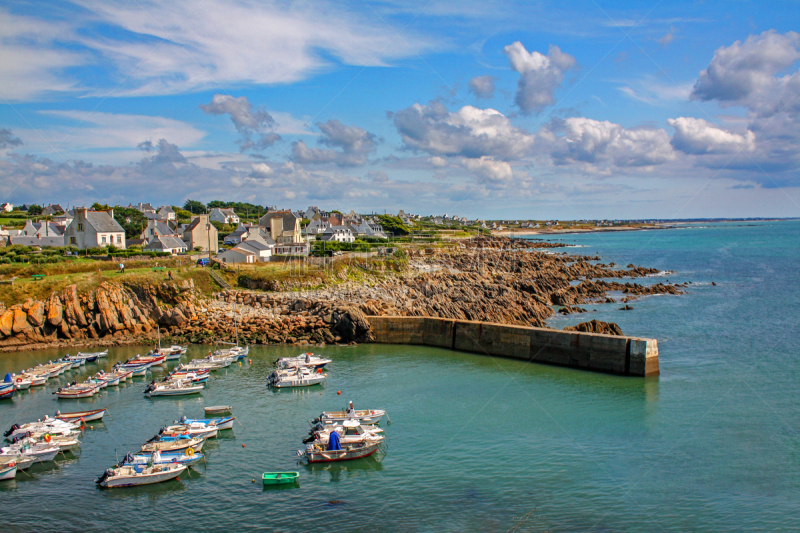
283	227
92	229
223	215
338	234
52	209
6	207
167	213
236	255
166	243
316	227
200	233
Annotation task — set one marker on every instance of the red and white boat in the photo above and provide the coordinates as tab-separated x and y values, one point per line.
78	391
85	416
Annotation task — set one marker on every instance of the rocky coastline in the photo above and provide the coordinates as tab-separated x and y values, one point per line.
490	279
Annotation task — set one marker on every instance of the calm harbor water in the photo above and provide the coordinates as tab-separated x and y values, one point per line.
486	444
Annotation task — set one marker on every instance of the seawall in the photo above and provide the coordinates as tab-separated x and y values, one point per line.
630	356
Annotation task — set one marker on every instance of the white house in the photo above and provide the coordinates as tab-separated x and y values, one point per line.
236	255
92	229
261	250
6	207
223	215
316	227
168	213
339	234
166	243
239	234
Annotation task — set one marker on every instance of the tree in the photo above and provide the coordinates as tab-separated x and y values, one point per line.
35	210
100	207
132	221
393	224
182	214
305	222
193	206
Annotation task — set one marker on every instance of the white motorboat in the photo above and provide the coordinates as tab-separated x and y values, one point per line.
365	416
173	388
21	383
174	444
95	355
41	452
195	429
162	458
296	377
131	476
8	471
77	391
51	425
342	443
308	359
23	462
217	409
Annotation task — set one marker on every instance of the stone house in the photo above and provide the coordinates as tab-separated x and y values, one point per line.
223	215
201	233
283	227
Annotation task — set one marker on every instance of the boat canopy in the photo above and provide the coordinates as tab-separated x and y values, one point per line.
333	442
9	378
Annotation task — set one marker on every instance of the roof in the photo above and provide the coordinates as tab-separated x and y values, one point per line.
103	221
166	209
36	241
153	216
165	242
255	246
237	250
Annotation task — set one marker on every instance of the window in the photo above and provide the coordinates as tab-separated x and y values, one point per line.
72	240
103	239
119	239
80	227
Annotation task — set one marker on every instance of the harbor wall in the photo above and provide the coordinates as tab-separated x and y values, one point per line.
630	356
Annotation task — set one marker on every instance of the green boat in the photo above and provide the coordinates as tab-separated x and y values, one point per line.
280	478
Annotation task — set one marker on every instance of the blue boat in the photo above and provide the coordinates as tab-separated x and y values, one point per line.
7	387
225	422
166	458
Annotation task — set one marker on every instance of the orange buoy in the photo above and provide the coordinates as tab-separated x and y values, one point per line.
47	437
250	361
242	445
338	392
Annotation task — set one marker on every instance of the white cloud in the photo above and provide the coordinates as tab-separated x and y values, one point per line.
696	136
254	124
600	143
349	145
488	168
469	132
482	86
540	75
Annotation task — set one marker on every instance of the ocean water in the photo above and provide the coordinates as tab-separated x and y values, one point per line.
486	444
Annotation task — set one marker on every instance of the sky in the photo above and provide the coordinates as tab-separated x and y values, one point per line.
493	110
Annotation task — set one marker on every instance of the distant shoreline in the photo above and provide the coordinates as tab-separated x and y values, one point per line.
543	231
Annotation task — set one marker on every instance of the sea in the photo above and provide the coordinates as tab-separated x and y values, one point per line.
477	443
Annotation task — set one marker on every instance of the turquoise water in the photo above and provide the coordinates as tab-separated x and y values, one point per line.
485	444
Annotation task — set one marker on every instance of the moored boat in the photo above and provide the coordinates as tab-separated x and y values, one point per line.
7	389
222	423
172	388
77	391
8	471
217	409
342	443
173	444
130	476
279	478
297	377
162	458
82	416
365	416
307	359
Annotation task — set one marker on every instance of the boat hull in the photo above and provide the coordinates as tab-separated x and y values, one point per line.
147	479
86	416
8	472
332	456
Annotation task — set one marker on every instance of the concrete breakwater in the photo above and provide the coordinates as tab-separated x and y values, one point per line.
614	354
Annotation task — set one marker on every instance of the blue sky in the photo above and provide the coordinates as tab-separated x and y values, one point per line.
483	109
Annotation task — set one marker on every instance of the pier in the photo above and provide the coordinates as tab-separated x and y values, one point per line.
629	356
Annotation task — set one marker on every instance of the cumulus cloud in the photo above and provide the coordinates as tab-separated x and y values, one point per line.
165	153
745	73
7	139
489	169
482	86
377	176
253	124
348	145
579	139
540	75
697	136
469	132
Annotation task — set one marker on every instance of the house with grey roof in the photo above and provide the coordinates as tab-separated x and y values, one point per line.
52	209
316	227
339	234
156	228
167	213
223	215
166	243
261	250
283	227
236	255
92	229
238	235
201	233
144	208
49	241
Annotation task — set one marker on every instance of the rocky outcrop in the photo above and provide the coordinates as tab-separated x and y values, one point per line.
596	326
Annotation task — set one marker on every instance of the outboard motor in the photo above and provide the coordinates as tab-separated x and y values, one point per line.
11	430
107	474
183	419
157	437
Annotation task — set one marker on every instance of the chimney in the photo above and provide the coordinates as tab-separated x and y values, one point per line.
81	211
111	212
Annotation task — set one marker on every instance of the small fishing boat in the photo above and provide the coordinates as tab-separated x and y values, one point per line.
222	423
82	416
7	389
279	478
65	443
8	471
140	370
131	476
365	416
99	382
77	391
308	359
200	376
200	365
172	388
93	356
174	444
341	443
23	462
41	452
300	376
162	458
52	425
119	376
195	429
217	410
